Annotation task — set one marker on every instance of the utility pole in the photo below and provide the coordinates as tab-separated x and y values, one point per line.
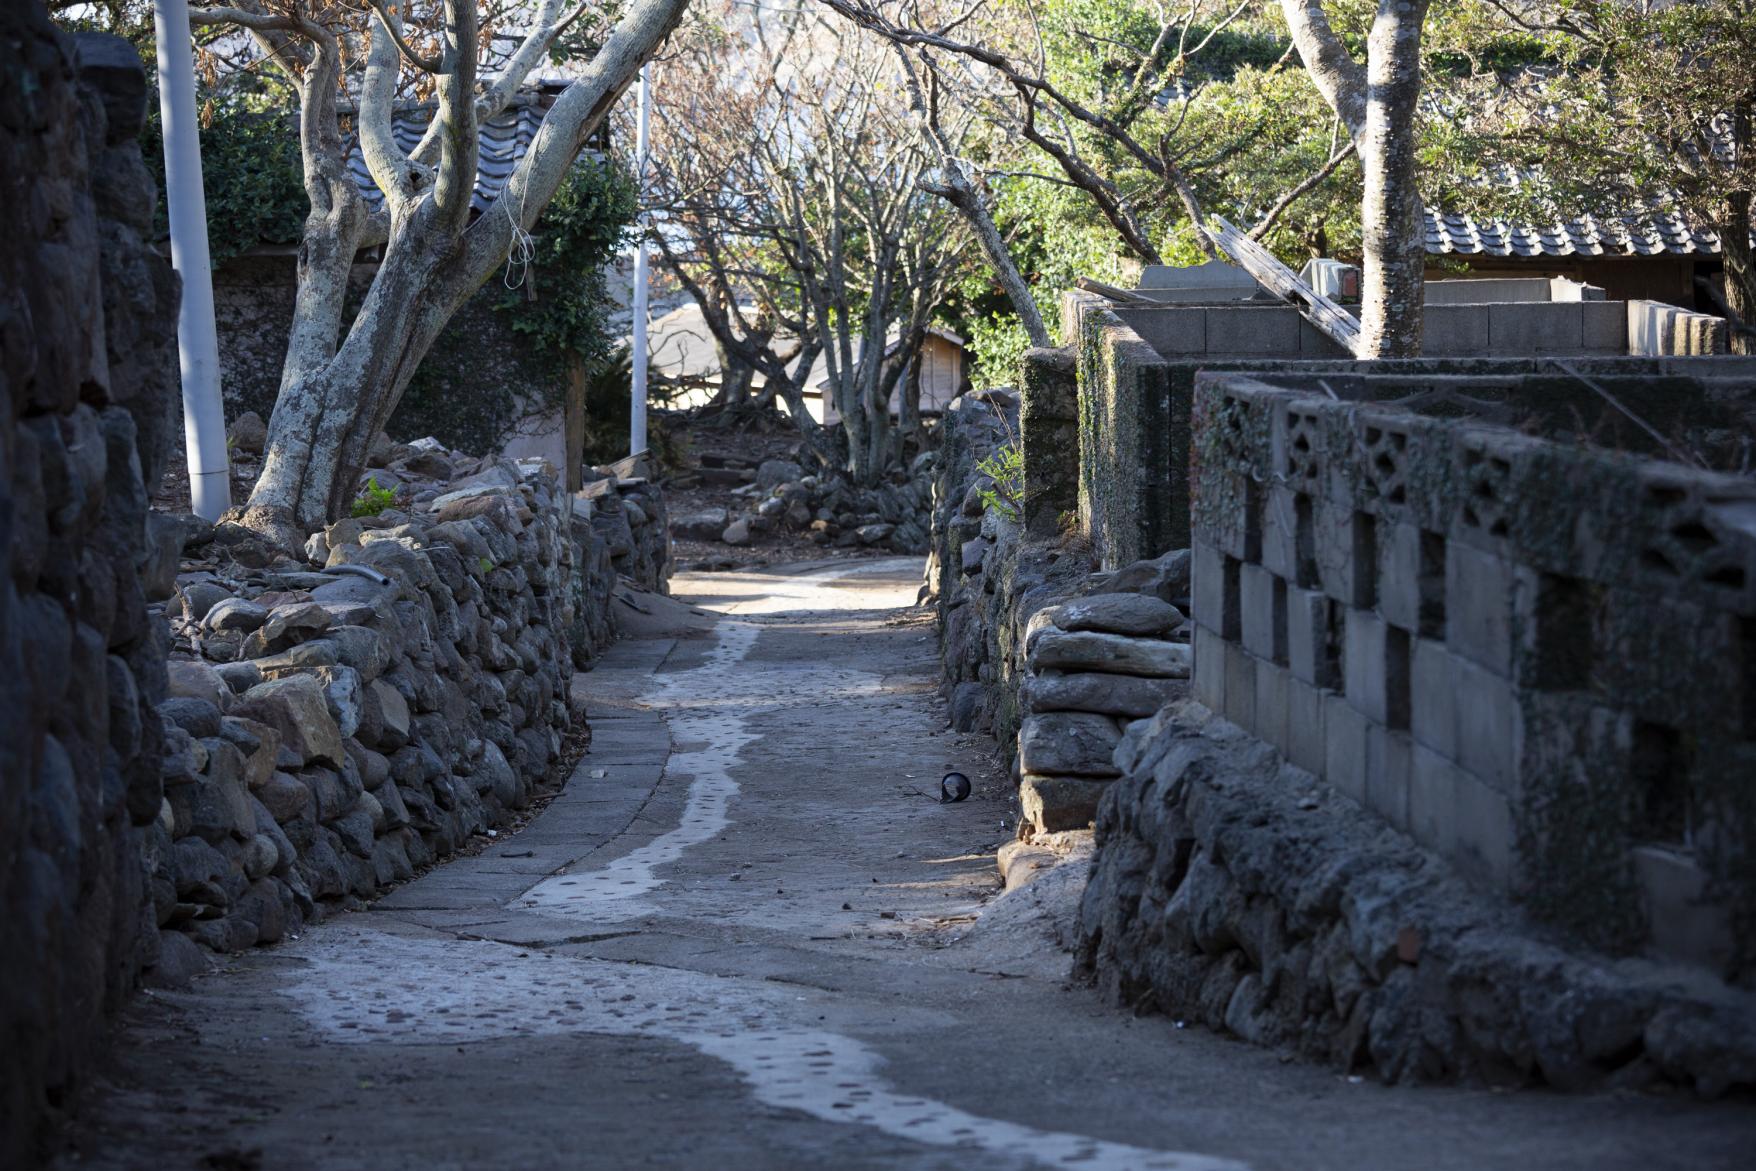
637	415
204	419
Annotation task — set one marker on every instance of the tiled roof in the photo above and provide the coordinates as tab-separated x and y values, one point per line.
1450	233
504	139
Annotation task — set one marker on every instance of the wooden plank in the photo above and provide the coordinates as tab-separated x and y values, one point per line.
1284	283
1112	292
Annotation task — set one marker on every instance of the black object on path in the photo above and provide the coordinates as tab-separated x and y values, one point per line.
954	787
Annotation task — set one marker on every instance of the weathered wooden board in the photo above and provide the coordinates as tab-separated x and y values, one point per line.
1286	284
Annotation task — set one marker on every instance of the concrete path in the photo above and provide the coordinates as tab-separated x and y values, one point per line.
739	940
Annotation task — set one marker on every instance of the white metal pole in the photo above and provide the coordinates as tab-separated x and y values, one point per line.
204	420
637	415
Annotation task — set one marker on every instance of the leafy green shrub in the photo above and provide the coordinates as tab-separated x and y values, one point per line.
374	499
1005	467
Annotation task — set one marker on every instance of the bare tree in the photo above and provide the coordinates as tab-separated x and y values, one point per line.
790	178
1378	104
341	378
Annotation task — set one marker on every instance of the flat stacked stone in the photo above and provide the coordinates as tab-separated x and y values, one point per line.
1093	665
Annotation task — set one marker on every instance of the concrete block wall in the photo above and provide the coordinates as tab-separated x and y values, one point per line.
1536	658
1656	329
1477	329
1134	403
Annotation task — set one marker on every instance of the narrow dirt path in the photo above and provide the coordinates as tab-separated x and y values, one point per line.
738	941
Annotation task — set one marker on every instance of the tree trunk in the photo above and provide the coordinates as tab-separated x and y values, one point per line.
1378	105
335	399
1392	229
1740	271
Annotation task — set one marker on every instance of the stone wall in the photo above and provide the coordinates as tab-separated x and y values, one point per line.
1534	657
1135	418
780	496
1049	657
87	388
1234	890
335	727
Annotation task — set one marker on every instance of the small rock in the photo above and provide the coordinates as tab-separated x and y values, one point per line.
235	614
872	534
248	433
737	533
772	473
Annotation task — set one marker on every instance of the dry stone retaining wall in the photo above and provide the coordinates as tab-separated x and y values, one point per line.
1234	890
334	728
1035	648
86	371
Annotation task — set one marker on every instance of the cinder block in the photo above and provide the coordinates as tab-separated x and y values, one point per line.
1240	696
1684	925
1308	618
1399	574
1432	799
1365	660
1490	727
1433	697
1387	768
1207	586
1254	330
1263	622
1337	532
1304	725
1485	837
1604	325
1209	684
1545	327
1314	343
1271	704
1478	606
1455	331
1280	529
1171	331
1344	747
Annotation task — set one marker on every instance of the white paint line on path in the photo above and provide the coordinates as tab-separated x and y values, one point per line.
711	704
362	986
